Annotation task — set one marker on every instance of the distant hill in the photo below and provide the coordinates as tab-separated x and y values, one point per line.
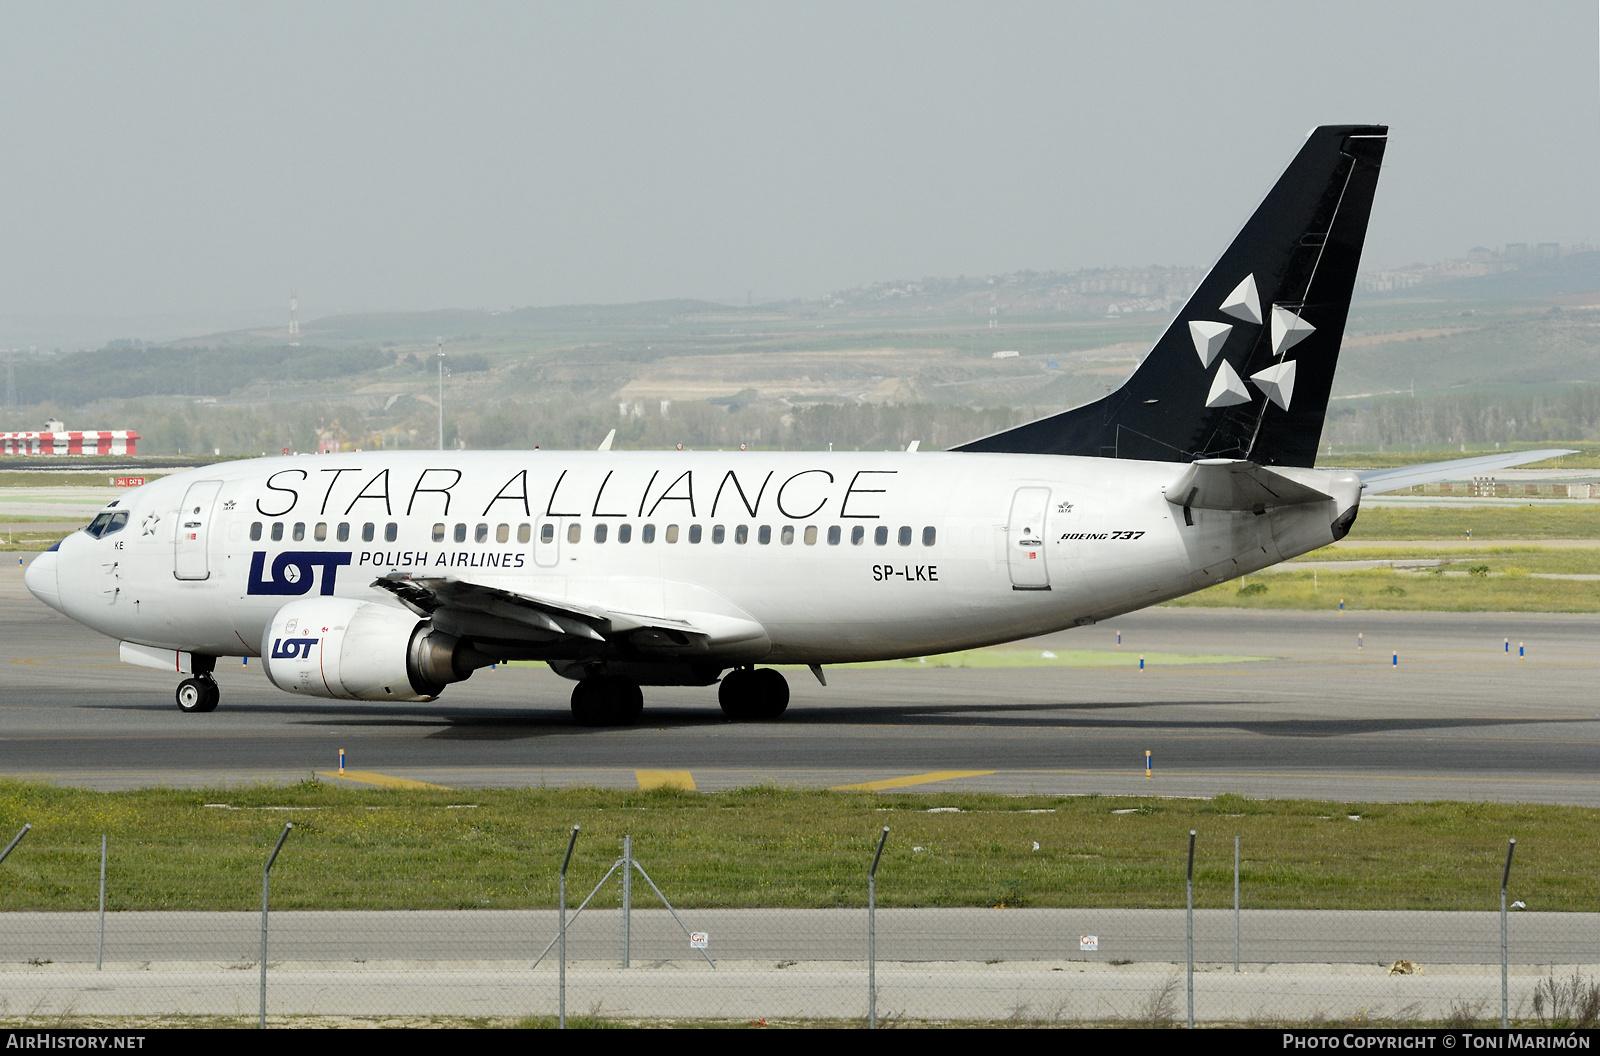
1577	273
474	323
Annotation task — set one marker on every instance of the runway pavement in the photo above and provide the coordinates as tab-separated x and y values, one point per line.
1457	718
944	964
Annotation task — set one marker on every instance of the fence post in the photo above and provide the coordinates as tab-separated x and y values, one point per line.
561	987
100	949
26	828
1236	905
872	951
627	897
1188	898
1505	989
265	870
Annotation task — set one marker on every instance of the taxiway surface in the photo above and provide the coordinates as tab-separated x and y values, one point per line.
1457	718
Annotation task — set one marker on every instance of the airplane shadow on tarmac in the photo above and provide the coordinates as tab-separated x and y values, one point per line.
469	723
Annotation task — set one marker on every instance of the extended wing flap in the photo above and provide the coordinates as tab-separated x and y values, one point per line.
494	612
1234	484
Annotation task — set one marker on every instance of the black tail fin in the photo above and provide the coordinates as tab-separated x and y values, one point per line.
1245	369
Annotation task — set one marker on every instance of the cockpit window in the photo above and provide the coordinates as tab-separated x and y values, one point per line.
106	523
98	525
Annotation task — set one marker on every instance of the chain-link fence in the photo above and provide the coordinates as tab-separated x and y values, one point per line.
631	955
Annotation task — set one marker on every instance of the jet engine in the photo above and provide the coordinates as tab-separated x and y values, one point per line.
362	650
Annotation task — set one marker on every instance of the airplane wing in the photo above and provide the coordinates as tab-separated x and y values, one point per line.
1378	481
490	614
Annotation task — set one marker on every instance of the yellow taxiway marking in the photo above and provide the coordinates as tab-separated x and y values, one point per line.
911	779
367	777
665	779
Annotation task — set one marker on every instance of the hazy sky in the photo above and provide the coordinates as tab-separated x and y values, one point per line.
192	162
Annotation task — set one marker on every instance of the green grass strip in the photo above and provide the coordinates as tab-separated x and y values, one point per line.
769	847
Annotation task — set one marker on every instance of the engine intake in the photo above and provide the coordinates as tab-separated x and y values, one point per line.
362	650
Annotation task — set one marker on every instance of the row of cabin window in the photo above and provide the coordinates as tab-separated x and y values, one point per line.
647	533
369	531
741	534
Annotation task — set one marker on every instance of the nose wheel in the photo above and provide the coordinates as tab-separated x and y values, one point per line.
197	695
749	695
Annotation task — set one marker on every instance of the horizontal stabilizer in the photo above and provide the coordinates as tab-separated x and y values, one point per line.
1234	484
1378	481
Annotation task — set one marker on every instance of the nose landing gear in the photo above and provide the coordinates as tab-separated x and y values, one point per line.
198	694
749	694
605	700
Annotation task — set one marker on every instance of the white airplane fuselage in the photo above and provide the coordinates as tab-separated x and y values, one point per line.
837	557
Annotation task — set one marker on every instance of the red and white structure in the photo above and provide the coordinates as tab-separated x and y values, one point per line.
63	442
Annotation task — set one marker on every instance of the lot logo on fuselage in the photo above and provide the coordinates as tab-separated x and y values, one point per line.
292	571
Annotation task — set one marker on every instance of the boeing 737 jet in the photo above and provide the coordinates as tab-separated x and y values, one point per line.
391	575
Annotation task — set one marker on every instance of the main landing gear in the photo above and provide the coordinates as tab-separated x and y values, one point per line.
748	694
605	700
198	694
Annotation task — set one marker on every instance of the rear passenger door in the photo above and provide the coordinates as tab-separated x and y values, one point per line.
1025	539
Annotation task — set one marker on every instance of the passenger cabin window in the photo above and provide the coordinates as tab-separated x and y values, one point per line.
905	535
547	533
277	531
787	535
880	535
480	534
694	533
833	535
624	533
600	532
764	534
255	532
672	533
741	535
502	533
461	533
811	535
368	531
344	531
299	533
574	532
858	535
524	532
438	532
718	533
929	536
648	534
321	533
391	532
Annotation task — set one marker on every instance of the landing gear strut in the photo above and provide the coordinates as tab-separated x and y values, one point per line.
605	700
198	694
748	694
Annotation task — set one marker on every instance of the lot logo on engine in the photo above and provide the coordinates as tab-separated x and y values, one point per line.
292	648
293	571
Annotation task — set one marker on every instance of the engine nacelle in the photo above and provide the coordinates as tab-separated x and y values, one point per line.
361	650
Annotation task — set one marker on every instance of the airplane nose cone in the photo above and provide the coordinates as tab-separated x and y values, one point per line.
40	578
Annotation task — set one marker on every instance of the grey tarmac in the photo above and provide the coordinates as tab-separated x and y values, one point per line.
1456	719
941	964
